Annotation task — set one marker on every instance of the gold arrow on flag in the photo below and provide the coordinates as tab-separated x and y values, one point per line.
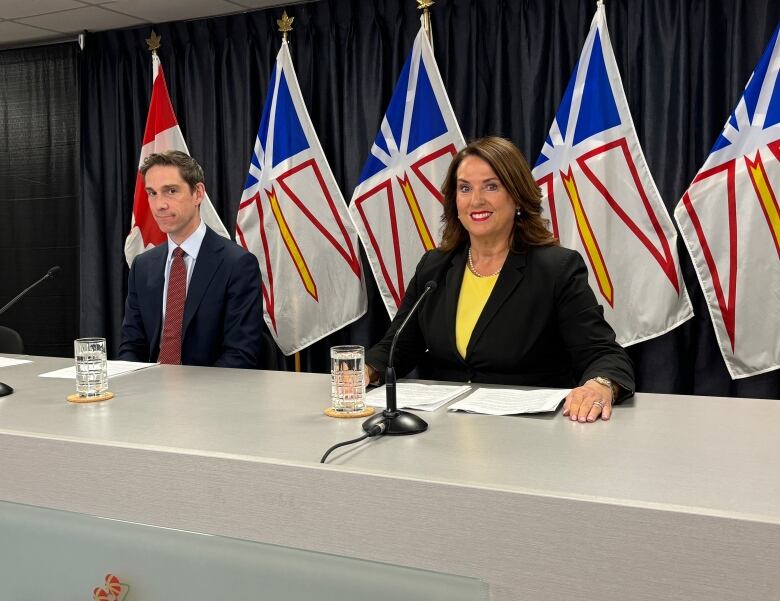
589	239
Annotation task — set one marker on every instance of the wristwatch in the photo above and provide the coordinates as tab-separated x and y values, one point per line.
608	383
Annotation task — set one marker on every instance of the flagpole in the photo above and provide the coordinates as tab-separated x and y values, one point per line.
285	27
425	5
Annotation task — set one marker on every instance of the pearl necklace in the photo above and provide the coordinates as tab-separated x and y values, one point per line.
476	273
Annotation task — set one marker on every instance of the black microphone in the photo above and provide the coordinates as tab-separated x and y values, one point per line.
5	390
398	422
50	275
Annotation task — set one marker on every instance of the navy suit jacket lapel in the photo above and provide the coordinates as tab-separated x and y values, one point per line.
206	265
155	283
511	275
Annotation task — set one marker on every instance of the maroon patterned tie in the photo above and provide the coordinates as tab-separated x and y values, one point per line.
170	344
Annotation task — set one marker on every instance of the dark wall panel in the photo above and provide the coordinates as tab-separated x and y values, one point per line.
39	193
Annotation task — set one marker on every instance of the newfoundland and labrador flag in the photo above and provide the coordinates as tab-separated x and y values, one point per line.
397	206
162	133
293	217
730	222
602	201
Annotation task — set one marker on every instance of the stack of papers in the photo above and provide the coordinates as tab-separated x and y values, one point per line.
115	368
508	401
425	397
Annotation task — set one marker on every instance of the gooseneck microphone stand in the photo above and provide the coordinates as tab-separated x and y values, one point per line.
5	390
398	423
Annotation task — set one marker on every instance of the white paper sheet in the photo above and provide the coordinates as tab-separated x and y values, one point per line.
8	362
508	401
424	397
115	368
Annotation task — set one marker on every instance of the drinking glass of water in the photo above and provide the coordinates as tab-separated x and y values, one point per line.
347	388
91	366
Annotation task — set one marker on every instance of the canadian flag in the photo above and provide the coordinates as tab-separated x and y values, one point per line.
162	133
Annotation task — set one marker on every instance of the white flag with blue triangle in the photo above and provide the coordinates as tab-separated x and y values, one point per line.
730	222
397	205
294	219
601	199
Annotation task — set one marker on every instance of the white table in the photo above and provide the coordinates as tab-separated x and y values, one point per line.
676	498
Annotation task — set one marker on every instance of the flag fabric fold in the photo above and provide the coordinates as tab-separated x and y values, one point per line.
162	133
397	206
730	223
293	218
601	199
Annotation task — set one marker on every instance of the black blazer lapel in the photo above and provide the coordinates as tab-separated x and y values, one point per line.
452	283
511	275
206	265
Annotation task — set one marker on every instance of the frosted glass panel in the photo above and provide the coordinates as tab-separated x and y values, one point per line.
48	554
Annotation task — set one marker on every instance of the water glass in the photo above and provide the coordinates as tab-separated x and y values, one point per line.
347	388
91	366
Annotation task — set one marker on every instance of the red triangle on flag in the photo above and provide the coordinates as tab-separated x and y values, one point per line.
161	115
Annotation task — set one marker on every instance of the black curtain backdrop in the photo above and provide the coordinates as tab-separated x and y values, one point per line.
39	194
505	65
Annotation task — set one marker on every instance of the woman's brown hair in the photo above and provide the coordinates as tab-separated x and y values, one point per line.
509	164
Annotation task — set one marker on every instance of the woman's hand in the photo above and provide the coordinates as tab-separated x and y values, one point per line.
585	403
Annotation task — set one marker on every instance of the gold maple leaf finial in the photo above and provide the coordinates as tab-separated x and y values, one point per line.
154	42
285	24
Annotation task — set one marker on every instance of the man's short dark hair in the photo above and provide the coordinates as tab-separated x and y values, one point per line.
190	171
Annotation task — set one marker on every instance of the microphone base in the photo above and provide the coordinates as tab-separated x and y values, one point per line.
5	390
398	423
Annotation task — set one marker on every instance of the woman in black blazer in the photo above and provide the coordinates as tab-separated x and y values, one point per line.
510	306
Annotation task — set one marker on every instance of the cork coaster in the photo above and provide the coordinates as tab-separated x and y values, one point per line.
75	398
331	412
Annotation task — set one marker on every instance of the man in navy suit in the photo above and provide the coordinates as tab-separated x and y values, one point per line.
194	300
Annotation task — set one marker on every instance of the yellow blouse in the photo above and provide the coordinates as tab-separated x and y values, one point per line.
474	293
